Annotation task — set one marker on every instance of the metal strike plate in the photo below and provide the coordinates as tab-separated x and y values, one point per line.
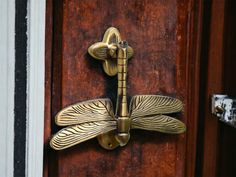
224	108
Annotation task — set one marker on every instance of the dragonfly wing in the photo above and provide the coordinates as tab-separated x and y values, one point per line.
87	111
143	105
160	123
75	134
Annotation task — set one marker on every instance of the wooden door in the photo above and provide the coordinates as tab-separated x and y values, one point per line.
216	140
165	37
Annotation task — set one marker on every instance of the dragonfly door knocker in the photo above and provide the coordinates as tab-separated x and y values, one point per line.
96	118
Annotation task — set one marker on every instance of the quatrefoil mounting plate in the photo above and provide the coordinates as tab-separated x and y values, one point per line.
106	50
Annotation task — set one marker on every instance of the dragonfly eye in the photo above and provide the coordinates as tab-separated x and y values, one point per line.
123	44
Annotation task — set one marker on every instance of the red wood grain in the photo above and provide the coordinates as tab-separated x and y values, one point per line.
227	145
48	81
166	62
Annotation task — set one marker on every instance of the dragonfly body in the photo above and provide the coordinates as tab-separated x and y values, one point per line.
122	114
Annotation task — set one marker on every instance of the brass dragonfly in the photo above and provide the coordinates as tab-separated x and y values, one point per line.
96	118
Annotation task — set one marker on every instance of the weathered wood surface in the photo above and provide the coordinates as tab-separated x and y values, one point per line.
159	32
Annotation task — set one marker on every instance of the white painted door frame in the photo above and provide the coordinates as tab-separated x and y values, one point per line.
7	78
35	87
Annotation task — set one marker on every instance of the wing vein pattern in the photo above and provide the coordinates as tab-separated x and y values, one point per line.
84	112
160	123
72	135
143	105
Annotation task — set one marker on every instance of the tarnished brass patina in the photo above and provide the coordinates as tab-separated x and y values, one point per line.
107	51
96	118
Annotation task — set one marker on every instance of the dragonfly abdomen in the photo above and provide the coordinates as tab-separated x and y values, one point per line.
121	105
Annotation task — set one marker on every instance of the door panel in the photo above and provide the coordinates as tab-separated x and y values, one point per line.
227	143
164	36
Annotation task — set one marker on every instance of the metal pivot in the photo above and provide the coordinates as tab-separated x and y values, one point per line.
96	118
